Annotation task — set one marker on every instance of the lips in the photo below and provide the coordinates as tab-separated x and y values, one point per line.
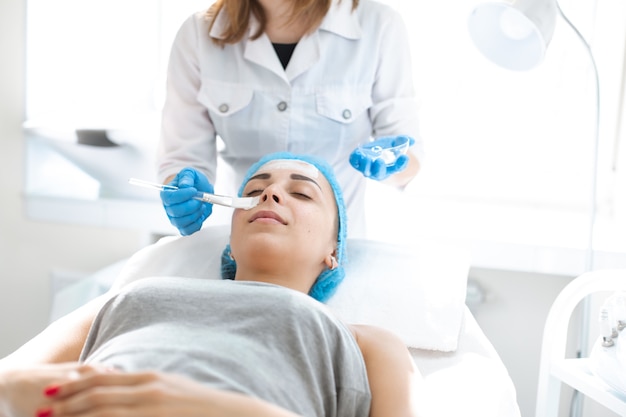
267	216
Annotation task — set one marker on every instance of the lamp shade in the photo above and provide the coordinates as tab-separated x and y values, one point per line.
513	34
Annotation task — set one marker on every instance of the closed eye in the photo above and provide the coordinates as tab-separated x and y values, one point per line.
253	193
302	195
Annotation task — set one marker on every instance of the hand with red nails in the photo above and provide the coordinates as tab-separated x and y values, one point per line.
149	394
27	392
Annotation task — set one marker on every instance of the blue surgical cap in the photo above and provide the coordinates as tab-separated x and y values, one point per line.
326	283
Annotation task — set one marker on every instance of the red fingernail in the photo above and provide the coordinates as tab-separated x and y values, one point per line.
44	412
51	391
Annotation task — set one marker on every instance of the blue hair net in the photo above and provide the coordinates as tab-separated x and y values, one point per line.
326	283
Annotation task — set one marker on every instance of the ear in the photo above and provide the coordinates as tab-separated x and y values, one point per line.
331	260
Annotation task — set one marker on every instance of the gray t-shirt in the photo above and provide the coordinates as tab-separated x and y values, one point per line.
258	339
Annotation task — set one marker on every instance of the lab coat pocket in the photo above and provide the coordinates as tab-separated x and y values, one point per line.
343	105
224	99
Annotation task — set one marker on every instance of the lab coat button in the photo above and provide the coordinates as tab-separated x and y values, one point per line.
223	108
282	106
346	114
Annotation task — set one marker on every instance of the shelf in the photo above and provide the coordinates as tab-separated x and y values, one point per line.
577	374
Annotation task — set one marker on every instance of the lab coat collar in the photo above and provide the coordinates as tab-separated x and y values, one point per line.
342	20
306	54
221	22
339	20
261	51
219	25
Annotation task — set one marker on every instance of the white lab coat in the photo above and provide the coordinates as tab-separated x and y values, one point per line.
347	82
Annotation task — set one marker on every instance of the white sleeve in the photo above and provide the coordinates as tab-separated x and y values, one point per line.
187	133
395	108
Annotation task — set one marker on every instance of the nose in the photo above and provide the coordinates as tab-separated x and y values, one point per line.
272	191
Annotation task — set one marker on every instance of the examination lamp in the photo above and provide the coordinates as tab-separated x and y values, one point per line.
515	34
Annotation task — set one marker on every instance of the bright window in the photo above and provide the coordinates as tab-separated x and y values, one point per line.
90	65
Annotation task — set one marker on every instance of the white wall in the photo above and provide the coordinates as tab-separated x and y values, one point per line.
29	250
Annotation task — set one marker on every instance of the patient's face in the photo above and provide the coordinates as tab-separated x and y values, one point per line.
294	227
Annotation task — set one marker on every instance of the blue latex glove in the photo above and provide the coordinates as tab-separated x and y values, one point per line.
376	168
186	213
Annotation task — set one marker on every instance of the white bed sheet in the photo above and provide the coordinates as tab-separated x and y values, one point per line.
470	382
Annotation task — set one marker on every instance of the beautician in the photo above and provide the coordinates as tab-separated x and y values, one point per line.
321	77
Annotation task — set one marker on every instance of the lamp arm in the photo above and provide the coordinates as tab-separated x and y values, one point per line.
589	262
576	402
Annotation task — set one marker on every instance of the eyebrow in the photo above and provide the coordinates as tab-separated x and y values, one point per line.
266	176
304	178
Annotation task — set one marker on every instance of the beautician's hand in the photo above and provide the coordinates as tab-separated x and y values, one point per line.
149	394
376	168
185	213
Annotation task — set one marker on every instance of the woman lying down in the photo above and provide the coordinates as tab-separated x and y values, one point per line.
258	344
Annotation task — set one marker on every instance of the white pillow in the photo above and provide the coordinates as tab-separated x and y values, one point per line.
416	291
